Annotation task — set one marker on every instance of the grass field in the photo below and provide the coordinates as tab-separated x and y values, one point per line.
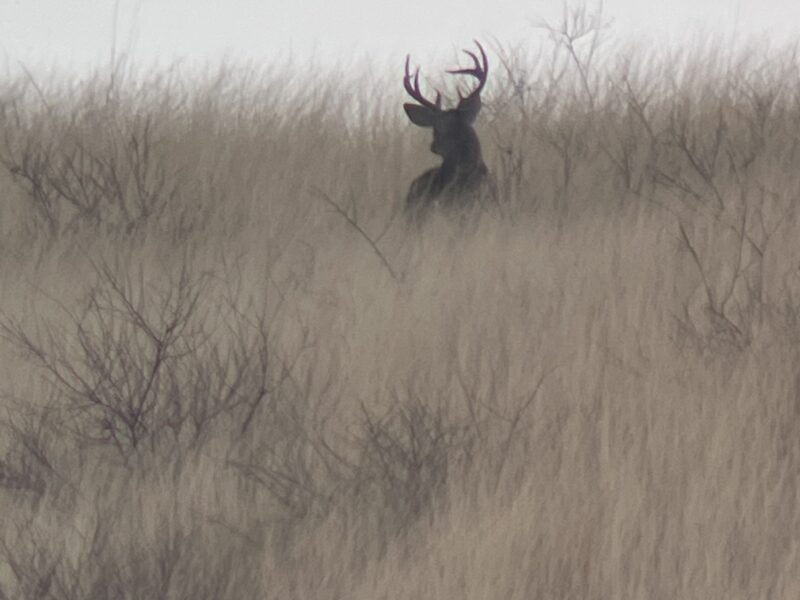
230	369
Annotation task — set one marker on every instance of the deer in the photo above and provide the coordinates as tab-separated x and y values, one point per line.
462	177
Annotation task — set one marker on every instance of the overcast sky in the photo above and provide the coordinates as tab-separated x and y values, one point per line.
79	34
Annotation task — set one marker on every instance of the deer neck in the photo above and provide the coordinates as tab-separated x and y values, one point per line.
466	157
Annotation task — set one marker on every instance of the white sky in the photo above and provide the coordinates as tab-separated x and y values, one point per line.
78	34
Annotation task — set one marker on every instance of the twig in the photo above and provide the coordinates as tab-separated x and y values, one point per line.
343	213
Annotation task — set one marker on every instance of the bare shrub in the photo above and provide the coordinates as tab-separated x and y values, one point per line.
406	454
73	177
142	362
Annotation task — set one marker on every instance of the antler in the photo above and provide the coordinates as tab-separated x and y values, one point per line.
479	70
414	91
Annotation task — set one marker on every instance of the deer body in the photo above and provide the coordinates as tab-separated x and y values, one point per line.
462	177
449	185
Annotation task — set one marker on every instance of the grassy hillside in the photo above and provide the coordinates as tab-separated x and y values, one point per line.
230	369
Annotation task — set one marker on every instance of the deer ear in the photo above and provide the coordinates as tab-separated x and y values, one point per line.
420	115
469	108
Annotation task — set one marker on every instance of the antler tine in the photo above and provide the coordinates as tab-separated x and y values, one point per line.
479	70
415	92
483	56
471	71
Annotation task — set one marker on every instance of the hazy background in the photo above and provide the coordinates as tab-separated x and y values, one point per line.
80	33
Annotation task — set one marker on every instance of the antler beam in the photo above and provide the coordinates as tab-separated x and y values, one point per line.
411	85
479	70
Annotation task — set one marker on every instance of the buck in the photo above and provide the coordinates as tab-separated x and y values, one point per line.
462	177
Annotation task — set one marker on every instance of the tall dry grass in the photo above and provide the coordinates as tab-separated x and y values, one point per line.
231	370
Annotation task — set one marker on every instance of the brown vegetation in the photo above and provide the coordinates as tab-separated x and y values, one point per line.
230	370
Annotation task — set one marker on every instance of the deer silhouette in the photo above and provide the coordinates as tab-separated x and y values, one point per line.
462	177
